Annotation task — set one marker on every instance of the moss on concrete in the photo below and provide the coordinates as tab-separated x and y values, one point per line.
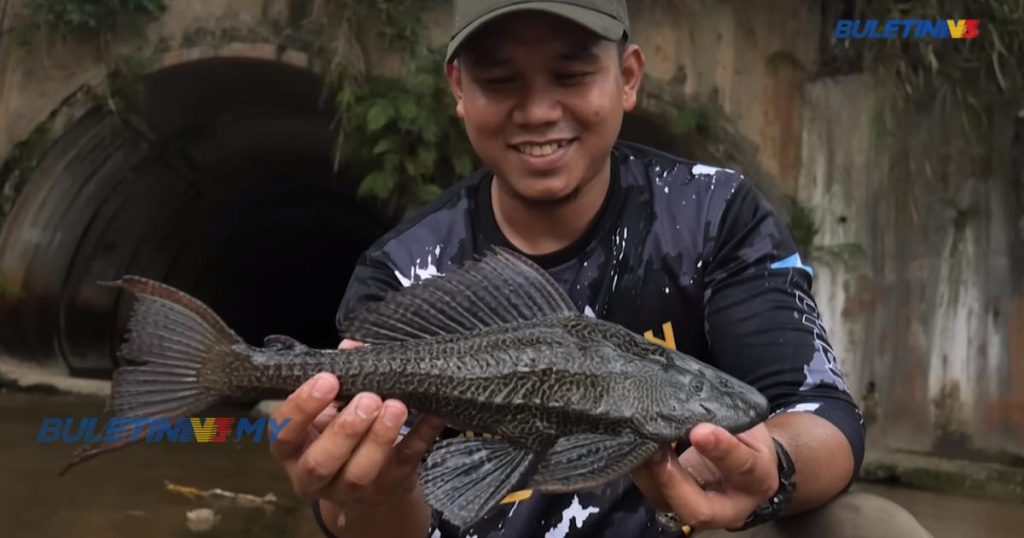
18	165
960	477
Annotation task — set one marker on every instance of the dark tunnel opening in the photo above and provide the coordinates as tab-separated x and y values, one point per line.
218	181
221	185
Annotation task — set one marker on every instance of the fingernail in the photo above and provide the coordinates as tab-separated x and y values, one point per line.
319	388
366	407
393	415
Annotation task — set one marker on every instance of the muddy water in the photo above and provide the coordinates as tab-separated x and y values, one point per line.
123	494
949	516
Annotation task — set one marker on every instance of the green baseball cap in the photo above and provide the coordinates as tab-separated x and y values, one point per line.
606	18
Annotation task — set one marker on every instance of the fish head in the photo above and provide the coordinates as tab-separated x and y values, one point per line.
697	392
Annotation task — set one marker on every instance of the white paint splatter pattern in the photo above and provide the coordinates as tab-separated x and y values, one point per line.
805	407
421	269
703	169
575	513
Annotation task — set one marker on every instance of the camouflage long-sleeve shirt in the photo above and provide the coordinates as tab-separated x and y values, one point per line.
690	256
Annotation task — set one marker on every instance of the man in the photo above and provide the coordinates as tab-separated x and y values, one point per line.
689	255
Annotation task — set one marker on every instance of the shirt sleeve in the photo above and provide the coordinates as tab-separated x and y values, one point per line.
372	279
762	322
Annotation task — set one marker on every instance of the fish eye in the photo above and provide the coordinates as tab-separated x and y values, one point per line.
697	386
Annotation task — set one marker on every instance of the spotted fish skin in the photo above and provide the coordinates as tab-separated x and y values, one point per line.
494	347
529	383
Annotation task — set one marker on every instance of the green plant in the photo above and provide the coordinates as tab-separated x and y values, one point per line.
398	134
71	17
401	136
698	118
804	230
21	162
976	79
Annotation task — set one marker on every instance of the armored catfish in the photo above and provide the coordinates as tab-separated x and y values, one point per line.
494	347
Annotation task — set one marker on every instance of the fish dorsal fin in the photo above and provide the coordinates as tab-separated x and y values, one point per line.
280	342
501	288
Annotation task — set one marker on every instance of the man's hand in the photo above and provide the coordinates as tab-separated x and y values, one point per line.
717	482
351	460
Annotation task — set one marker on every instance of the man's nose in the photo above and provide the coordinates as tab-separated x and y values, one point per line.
537	105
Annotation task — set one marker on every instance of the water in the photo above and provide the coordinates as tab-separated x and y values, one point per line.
123	494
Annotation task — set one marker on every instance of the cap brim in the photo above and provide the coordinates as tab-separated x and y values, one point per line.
603	25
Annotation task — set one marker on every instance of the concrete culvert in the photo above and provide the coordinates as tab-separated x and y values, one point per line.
220	183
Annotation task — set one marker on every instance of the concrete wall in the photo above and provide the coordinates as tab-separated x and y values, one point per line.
934	315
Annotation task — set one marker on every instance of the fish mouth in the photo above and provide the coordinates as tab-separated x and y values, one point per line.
753	419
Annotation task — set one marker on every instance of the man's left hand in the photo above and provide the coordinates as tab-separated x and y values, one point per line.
717	482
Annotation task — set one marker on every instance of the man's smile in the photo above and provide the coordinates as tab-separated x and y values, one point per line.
544	153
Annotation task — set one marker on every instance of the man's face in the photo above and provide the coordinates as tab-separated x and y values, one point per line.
542	99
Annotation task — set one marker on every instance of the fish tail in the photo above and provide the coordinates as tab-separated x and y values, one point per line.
177	356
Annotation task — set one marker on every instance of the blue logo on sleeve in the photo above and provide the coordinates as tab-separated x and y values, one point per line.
793	262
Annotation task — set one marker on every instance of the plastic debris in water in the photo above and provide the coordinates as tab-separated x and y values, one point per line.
201	520
243	500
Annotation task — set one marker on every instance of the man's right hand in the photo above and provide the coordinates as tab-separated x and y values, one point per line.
353	460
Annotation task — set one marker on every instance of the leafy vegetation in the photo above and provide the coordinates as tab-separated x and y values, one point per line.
399	133
402	136
696	118
978	78
76	17
805	230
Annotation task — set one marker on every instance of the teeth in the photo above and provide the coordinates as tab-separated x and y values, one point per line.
540	150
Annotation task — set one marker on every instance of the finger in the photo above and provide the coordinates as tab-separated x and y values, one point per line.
325	417
320	463
300	410
702	470
643	477
742	465
681	492
349	344
409	452
374	450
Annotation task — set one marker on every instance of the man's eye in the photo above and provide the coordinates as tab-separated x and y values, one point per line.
572	77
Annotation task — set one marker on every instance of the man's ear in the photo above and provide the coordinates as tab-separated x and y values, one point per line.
633	64
453	72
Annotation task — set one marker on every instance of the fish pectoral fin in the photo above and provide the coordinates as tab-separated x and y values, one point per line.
280	342
586	460
465	478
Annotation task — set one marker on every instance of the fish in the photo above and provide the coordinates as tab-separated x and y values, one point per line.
566	401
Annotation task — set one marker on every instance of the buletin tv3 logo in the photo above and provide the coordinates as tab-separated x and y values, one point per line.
667	339
906	29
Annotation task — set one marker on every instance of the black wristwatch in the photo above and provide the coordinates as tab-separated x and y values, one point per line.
777	503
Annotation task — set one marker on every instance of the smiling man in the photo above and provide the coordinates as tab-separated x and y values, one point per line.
689	255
